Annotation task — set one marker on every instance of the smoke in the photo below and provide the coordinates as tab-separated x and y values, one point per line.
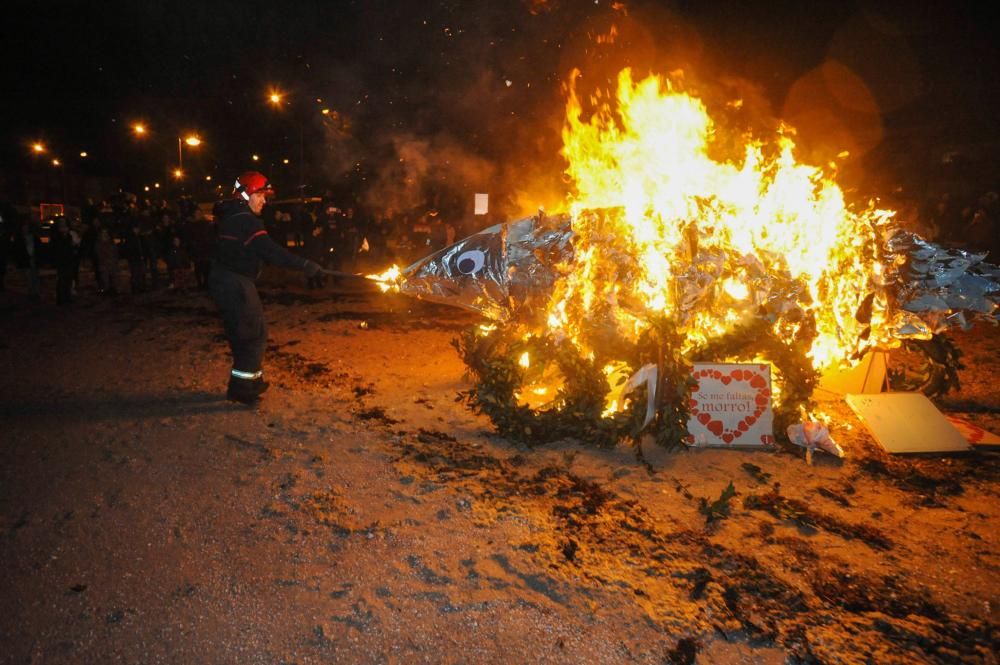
436	172
452	106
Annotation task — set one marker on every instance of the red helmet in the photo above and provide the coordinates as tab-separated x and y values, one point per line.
252	182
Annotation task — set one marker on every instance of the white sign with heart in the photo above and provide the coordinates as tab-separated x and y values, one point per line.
731	405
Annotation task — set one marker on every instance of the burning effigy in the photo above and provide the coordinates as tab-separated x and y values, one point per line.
674	252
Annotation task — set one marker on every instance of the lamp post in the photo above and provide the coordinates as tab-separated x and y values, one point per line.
276	99
192	141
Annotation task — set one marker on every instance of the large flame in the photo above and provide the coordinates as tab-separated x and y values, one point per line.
660	220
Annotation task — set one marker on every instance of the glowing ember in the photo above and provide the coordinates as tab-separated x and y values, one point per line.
665	224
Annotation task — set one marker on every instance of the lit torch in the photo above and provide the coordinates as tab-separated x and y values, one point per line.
389	280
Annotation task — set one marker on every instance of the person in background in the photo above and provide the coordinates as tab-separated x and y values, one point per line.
64	260
149	237
179	264
200	236
90	229
6	238
132	251
980	231
27	250
315	250
106	256
76	237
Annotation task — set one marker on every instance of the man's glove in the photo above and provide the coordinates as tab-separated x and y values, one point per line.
312	268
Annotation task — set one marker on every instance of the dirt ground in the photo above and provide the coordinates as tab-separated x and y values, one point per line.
361	515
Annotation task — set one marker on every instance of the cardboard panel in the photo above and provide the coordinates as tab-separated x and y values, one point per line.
867	377
907	423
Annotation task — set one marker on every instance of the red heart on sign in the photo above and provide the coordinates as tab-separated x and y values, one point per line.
703	418
715	427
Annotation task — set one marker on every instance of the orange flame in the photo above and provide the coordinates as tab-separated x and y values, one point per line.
388	280
660	220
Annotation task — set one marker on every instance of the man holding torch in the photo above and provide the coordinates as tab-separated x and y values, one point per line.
243	246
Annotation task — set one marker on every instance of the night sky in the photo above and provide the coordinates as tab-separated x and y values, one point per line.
455	96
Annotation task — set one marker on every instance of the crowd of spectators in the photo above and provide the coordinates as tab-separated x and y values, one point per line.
350	239
159	245
134	246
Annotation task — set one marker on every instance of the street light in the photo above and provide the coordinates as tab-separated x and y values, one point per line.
38	148
276	98
192	141
83	153
139	129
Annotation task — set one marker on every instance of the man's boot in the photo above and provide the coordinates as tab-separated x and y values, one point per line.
242	390
260	385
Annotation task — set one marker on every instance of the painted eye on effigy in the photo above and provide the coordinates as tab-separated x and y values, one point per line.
470	261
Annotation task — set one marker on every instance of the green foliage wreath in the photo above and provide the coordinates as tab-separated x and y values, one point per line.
576	410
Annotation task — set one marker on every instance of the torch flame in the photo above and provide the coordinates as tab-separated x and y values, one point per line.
388	280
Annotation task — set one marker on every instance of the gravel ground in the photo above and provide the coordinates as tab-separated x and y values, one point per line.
361	515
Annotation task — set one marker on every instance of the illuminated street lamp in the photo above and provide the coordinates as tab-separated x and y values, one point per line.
83	153
56	162
192	141
38	148
254	157
277	99
139	129
178	174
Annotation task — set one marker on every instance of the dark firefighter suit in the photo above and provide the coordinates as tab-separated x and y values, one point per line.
243	245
